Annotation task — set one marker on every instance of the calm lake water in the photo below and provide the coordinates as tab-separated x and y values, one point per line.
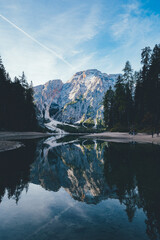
78	189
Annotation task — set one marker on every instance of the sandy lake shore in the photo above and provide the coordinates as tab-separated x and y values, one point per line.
125	137
8	140
7	143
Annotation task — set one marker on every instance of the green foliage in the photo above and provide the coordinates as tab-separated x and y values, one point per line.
77	99
100	123
108	108
89	122
80	129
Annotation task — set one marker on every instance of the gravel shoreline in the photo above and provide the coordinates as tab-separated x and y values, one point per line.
8	139
7	143
125	137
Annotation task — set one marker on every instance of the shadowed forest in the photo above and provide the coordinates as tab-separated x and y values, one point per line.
17	110
134	103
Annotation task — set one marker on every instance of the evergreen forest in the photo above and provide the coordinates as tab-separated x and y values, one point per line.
17	109
134	103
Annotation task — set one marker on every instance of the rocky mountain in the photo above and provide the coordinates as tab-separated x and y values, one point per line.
46	95
80	100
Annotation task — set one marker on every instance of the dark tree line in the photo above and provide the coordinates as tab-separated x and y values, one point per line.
135	100
17	110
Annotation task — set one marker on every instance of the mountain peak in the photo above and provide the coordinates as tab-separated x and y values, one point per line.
86	74
54	81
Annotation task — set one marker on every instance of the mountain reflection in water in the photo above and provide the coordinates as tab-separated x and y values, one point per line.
89	171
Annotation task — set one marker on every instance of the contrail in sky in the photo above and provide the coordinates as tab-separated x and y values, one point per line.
34	40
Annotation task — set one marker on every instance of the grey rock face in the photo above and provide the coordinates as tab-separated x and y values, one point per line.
47	94
79	100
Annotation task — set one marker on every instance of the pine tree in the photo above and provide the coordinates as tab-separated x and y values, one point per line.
23	80
128	75
108	108
154	86
119	106
129	84
138	99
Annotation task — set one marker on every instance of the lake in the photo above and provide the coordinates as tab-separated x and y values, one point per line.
80	189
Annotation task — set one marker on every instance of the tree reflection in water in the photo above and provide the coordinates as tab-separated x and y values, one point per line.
15	171
134	170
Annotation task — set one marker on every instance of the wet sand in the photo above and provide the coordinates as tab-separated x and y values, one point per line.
6	138
9	145
125	137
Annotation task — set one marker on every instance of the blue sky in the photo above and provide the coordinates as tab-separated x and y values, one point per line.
55	38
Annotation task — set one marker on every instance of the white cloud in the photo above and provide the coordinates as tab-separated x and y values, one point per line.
133	29
135	25
72	27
